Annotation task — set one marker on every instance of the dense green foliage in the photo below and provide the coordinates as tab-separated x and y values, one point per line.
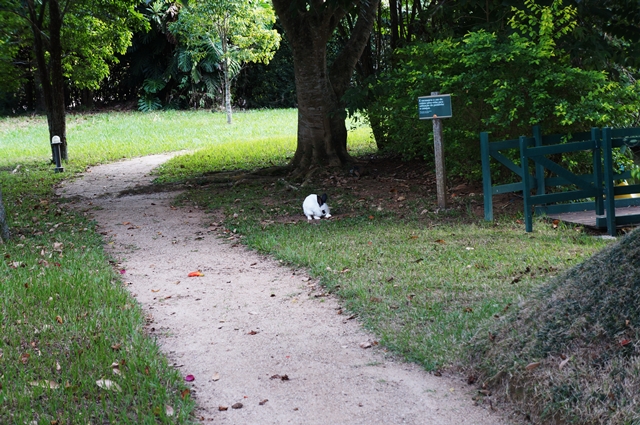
233	32
503	85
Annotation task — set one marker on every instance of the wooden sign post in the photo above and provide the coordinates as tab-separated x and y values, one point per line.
434	108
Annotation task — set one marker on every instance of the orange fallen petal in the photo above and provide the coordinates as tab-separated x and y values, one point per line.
196	274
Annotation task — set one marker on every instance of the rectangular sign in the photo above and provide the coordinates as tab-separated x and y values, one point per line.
438	106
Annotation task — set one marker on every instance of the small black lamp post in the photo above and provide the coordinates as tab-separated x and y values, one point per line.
55	145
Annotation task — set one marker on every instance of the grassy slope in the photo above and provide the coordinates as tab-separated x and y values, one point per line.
579	336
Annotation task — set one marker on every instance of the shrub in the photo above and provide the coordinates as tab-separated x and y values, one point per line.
502	85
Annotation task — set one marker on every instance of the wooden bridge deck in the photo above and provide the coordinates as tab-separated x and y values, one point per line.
588	218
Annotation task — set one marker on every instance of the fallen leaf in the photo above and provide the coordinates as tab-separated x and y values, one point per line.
281	377
45	384
223	408
564	362
262	402
252	333
365	345
116	347
413	237
237	406
24	358
168	410
185	393
216	376
555	223
122	271
155	290
625	342
189	378
125	223
59	319
196	274
440	241
532	366
107	384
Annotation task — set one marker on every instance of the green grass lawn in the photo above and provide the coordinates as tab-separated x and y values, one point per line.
422	283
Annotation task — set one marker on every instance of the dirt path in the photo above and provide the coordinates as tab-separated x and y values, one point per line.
249	319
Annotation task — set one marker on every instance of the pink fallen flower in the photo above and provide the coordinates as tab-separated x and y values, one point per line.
189	378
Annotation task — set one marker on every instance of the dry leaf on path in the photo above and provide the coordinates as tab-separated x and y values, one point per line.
262	402
237	405
216	376
532	366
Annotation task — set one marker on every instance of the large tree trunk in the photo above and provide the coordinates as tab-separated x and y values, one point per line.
51	75
4	226
322	133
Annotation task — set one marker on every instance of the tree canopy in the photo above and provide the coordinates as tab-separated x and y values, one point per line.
73	42
234	31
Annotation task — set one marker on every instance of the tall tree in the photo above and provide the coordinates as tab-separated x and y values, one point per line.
309	25
73	41
239	31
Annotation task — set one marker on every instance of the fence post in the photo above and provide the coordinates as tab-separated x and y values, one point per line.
609	202
540	186
597	168
526	185
486	176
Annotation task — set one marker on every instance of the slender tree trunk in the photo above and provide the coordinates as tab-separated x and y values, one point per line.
4	226
395	23
50	73
225	73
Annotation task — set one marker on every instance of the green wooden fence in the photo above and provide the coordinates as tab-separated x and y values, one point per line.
571	192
